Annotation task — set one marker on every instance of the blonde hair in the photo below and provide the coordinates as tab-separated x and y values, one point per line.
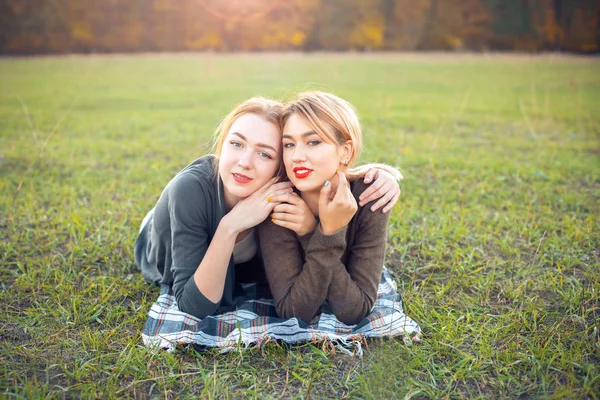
270	110
335	121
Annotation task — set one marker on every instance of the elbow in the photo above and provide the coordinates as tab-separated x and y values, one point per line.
353	317
198	306
200	312
287	311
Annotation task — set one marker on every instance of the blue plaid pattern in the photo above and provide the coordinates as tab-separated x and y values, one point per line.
255	322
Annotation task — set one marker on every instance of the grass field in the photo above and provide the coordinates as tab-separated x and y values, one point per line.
494	244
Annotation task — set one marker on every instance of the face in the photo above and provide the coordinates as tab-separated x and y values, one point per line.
309	160
249	157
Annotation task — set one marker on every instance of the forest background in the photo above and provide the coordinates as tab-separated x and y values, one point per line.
65	26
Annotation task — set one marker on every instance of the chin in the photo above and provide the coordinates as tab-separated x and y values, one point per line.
305	186
240	192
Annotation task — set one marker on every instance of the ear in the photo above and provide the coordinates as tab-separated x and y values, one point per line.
347	150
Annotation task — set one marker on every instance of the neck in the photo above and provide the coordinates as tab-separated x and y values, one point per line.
230	200
312	200
311	197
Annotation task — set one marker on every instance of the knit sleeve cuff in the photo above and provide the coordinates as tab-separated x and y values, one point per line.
321	241
305	240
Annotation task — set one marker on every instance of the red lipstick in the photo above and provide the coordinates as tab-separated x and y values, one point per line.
240	178
302	172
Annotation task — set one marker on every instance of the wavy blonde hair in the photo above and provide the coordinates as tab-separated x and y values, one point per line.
270	110
335	121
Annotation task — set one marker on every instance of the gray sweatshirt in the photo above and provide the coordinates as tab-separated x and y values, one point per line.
172	244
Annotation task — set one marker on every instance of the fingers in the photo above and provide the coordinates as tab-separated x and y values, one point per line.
392	203
373	192
283	216
267	185
286	224
382	201
280	185
343	188
286	208
272	187
291	198
324	195
370	175
391	193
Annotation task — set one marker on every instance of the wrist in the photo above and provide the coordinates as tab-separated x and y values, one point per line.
327	231
229	227
309	229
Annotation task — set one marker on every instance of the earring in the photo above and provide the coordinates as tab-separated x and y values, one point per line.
345	162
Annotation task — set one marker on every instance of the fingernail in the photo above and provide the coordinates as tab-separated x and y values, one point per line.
326	183
269	198
272	219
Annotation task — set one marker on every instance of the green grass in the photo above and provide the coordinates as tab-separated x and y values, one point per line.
494	243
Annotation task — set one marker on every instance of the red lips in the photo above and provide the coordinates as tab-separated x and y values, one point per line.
241	178
302	172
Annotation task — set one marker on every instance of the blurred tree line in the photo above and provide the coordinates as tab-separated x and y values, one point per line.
56	26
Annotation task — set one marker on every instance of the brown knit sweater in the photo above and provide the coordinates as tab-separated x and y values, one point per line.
342	269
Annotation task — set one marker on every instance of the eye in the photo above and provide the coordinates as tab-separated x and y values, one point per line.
314	142
288	145
236	143
265	155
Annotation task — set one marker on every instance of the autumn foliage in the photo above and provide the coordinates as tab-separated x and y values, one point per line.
58	26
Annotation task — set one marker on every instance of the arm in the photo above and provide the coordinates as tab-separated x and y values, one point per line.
299	268
299	284
353	288
190	243
208	261
383	180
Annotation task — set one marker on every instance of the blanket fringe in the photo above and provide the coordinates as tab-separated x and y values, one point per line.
350	347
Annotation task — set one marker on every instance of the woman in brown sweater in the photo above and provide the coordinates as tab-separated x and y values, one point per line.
319	245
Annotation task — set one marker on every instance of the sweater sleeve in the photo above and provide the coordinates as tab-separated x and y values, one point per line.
189	243
353	288
299	284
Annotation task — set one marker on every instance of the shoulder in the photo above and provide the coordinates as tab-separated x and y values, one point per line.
357	186
364	213
199	177
194	190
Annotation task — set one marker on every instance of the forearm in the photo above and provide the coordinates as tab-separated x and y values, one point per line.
309	289
351	298
299	280
361	170
210	274
354	284
306	294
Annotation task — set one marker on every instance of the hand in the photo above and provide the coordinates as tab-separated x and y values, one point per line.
293	213
255	208
336	207
384	187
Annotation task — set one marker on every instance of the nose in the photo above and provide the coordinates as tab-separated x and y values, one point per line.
245	161
298	155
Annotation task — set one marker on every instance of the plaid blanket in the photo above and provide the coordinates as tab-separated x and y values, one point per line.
255	322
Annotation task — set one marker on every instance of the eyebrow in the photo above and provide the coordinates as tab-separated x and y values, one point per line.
305	134
258	144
